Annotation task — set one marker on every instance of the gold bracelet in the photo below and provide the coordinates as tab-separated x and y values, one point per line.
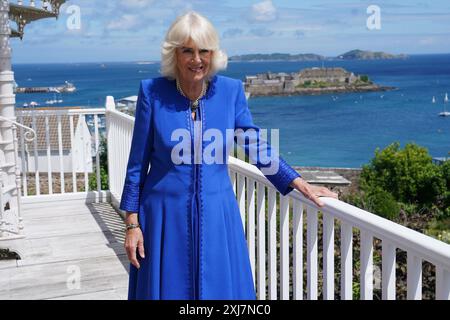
132	226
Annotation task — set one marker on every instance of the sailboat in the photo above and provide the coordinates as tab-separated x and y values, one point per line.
54	100
433	100
445	113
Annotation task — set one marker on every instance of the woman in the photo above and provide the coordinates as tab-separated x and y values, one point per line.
185	238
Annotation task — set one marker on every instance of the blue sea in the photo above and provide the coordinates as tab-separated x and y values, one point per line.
333	130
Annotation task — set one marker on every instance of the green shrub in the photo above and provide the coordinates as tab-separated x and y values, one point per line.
377	201
364	78
409	208
103	159
408	174
357	199
382	203
103	179
445	168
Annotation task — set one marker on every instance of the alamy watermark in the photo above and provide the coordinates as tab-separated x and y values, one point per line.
374	19
73	22
73	281
253	144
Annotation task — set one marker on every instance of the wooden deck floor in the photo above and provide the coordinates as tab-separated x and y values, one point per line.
67	239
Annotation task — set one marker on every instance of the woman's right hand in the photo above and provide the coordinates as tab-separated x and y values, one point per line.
134	241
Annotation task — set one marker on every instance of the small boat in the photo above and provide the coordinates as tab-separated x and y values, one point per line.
25	104
445	113
433	100
68	87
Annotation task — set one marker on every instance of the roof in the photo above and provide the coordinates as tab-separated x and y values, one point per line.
328	177
129	99
53	132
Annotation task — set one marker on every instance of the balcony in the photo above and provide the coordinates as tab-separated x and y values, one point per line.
68	230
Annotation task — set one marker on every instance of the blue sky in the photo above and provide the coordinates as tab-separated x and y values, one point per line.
132	30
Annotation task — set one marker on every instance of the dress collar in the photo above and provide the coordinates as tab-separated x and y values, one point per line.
209	93
212	87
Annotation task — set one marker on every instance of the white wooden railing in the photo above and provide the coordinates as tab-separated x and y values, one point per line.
40	161
119	133
285	269
251	185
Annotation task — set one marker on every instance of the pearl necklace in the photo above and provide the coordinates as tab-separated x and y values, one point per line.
194	104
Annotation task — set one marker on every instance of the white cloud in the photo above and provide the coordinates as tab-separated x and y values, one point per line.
125	22
263	11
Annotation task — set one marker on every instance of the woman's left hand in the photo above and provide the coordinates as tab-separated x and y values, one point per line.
312	192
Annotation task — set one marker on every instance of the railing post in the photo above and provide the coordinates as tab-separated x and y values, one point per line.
414	277
297	235
251	224
366	256
261	250
346	261
284	247
328	256
110	106
388	274
272	216
311	236
442	283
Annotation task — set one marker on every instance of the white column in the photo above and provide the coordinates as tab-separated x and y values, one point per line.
7	104
7	98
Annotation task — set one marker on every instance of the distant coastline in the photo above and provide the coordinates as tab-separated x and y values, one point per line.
350	55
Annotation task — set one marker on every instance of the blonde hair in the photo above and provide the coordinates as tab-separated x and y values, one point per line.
202	32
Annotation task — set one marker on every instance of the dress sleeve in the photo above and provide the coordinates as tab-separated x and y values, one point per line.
282	177
139	157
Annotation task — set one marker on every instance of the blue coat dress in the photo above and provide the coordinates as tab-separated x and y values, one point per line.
194	240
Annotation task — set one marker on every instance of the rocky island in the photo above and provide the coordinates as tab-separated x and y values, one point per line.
370	55
350	55
310	81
